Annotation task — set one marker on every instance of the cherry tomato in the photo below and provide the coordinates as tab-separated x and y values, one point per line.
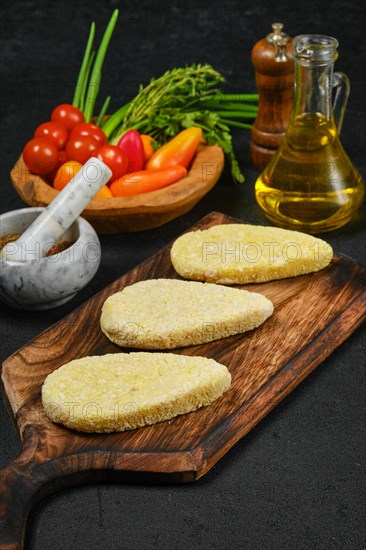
55	132
40	156
65	173
115	159
61	159
81	148
68	115
89	129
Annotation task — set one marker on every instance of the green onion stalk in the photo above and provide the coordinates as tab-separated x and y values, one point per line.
90	74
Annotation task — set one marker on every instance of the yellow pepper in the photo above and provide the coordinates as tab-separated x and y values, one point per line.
179	150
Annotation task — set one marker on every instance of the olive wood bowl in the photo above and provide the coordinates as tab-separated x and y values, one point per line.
139	212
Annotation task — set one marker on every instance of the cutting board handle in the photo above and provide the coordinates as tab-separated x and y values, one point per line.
29	478
17	490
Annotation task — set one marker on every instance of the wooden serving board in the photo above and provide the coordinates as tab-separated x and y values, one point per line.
313	315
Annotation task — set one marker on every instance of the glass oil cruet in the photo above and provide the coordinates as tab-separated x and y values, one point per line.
311	184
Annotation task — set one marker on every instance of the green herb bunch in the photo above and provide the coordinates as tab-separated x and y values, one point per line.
184	97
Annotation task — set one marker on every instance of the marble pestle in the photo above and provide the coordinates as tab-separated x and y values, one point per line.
49	226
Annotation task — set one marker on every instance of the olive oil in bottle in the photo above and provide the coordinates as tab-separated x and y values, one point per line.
311	184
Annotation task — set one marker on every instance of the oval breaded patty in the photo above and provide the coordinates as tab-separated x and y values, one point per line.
123	391
170	313
241	253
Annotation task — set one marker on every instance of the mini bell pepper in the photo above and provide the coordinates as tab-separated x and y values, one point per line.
104	192
147	142
179	150
131	144
145	181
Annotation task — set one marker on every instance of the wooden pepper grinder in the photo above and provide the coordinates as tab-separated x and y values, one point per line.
274	76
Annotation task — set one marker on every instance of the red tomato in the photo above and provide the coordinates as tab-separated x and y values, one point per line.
89	129
40	156
81	148
68	115
115	159
61	159
55	132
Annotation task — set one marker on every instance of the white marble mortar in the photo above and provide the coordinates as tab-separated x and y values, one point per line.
51	281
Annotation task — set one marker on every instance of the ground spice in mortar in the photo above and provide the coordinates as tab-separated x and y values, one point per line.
55	249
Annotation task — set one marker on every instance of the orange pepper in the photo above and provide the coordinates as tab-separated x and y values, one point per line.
147	142
179	150
145	181
65	173
104	192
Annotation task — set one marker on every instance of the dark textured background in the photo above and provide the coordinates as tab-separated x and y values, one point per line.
298	479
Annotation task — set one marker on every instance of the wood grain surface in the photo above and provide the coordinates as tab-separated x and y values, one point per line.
139	212
313	315
275	85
